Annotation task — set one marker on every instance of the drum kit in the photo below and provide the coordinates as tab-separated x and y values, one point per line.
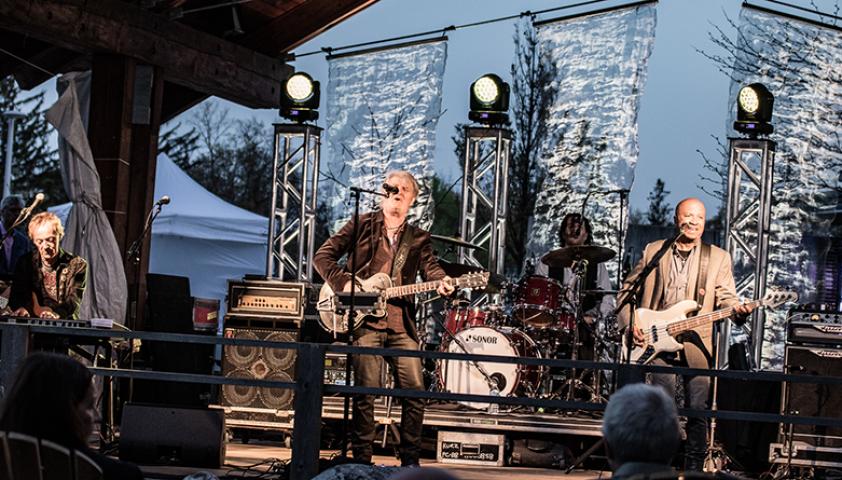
535	317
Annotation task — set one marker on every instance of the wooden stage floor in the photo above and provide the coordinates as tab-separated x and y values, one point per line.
259	455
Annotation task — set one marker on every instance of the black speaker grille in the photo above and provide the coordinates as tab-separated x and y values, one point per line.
811	400
259	363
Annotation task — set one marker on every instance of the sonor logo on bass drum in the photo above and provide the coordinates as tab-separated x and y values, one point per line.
481	339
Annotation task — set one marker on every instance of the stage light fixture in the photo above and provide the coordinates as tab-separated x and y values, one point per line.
754	110
300	98
489	100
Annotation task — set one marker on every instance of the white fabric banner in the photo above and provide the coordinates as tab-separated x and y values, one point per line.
591	147
382	112
87	230
801	65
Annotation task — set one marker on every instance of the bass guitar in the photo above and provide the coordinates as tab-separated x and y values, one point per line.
660	328
381	284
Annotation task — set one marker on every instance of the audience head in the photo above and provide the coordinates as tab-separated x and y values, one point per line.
51	398
640	425
425	473
10	209
46	233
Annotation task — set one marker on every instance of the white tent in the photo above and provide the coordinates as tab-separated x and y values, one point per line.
200	236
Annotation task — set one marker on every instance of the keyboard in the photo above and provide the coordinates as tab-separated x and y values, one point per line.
49	322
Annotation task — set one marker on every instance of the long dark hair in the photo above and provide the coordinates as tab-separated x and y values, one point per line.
45	398
570	217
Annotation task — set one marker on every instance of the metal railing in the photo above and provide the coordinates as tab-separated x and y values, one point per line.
310	389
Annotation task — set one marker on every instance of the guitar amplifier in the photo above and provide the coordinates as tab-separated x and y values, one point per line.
814	326
266	299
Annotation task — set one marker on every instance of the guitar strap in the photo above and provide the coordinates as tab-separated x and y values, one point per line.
704	261
699	295
401	255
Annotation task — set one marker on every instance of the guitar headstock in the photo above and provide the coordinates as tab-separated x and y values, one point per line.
472	280
774	298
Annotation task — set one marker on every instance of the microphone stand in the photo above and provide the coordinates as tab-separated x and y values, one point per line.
133	253
355	194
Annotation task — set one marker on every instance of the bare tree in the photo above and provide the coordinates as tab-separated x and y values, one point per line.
533	93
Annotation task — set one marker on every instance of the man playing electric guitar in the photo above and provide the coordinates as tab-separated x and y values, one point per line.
386	243
689	270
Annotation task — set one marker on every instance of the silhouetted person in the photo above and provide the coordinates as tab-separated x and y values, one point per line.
52	398
641	431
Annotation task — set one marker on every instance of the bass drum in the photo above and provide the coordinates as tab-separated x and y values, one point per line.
464	376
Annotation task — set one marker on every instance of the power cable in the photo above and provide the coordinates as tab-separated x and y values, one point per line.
444	30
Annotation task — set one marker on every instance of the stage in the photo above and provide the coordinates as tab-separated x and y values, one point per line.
240	456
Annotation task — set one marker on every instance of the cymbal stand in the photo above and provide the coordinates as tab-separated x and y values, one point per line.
579	269
596	381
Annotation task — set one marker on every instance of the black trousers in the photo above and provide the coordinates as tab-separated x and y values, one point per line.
368	373
696	396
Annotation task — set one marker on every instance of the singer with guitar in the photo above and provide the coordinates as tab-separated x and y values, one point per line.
49	282
388	244
689	270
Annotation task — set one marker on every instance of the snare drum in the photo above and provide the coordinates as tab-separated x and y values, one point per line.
538	302
463	376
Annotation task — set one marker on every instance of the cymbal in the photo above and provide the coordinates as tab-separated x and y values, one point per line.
457	241
495	281
565	256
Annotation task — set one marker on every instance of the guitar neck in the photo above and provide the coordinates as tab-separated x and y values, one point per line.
412	289
701	320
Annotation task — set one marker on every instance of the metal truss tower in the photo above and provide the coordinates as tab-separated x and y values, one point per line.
747	228
292	220
484	196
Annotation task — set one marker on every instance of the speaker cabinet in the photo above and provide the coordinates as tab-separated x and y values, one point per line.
260	363
811	400
152	434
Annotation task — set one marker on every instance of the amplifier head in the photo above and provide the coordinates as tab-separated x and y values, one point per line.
272	299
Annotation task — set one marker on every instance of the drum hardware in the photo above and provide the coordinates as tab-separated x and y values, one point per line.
574	383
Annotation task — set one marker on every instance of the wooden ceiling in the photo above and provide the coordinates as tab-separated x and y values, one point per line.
234	49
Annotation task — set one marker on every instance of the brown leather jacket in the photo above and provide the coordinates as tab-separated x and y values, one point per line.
420	259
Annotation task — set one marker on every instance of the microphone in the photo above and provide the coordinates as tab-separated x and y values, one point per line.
26	212
163	200
390	189
39	197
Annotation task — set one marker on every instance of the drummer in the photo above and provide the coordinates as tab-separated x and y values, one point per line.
575	230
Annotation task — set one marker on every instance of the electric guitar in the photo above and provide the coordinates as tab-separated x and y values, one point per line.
661	327
381	284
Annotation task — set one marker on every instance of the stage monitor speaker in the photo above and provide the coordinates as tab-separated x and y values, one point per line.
259	363
813	400
152	434
170	310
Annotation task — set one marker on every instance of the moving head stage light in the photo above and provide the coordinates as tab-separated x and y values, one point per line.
300	98
754	110
489	100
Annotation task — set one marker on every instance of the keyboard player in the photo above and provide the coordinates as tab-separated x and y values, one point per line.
49	282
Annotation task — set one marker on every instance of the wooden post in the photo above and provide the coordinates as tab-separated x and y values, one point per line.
307	423
145	126
125	118
109	133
